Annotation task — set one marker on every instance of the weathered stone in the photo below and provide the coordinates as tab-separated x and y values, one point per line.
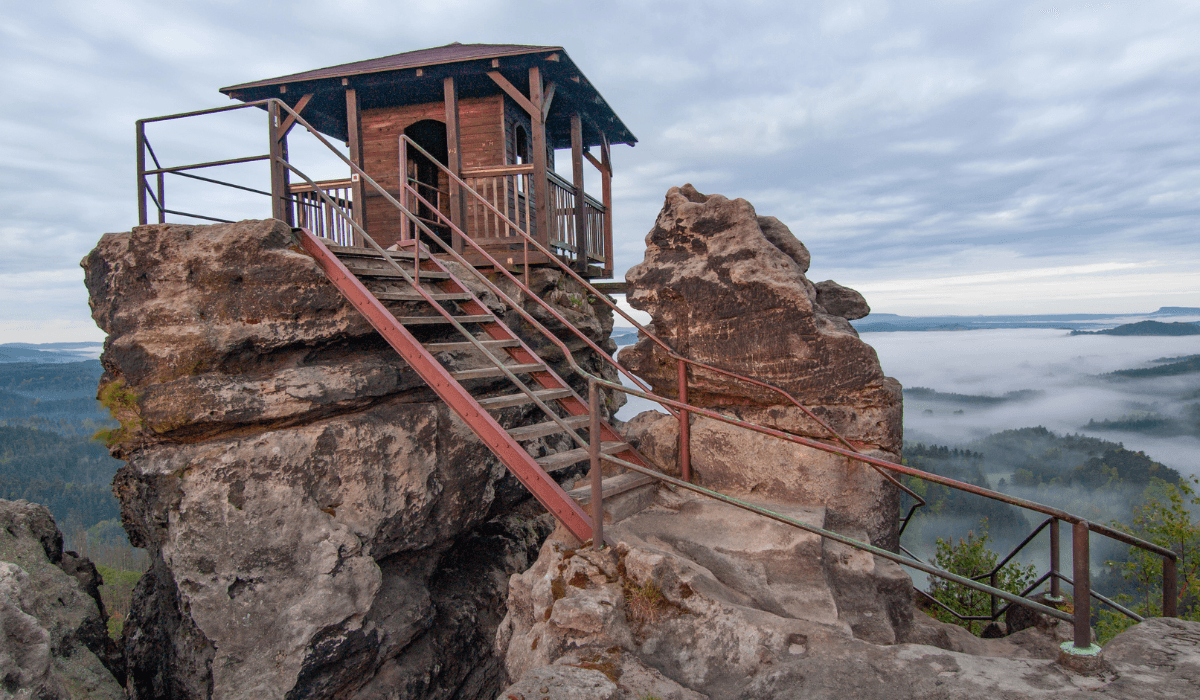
727	287
53	638
319	522
721	292
841	301
562	683
707	637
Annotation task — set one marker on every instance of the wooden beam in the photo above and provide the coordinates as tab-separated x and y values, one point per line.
606	195
513	92
354	142
547	99
540	185
291	120
581	237
454	158
592	159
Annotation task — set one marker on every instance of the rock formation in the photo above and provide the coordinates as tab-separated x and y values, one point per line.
676	613
54	643
727	287
319	523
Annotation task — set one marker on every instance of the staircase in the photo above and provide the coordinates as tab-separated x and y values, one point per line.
401	290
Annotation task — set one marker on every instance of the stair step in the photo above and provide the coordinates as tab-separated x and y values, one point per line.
414	296
507	400
434	320
465	345
531	432
611	486
390	272
565	459
344	252
484	372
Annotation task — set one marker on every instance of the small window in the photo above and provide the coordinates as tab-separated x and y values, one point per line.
521	150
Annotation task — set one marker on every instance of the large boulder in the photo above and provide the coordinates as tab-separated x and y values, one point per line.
319	523
54	642
727	287
710	604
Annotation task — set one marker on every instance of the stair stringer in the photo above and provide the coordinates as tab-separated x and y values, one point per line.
511	454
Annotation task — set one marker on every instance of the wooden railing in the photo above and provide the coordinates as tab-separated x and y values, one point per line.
311	211
564	233
509	189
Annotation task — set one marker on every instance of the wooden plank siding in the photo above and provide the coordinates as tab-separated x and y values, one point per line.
481	129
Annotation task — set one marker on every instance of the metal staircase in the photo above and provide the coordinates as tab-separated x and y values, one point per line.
428	293
404	290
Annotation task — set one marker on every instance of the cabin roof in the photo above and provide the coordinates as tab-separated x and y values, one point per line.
394	80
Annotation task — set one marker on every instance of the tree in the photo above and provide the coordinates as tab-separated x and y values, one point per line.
973	557
1165	519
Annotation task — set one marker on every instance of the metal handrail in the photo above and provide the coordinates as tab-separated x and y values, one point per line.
1081	557
685	465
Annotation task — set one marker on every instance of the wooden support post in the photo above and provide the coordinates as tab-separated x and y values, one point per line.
581	233
454	158
685	426
143	215
540	184
278	182
1081	560
606	193
354	141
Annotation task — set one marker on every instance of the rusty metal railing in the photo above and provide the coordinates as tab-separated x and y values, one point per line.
1081	528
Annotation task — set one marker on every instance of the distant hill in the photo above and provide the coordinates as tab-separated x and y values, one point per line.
1177	311
49	353
1186	365
1146	328
920	392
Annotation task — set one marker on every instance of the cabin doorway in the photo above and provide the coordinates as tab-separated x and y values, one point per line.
429	181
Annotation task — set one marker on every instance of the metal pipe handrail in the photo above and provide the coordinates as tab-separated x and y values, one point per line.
641	329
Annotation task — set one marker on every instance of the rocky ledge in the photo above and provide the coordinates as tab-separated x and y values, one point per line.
319	523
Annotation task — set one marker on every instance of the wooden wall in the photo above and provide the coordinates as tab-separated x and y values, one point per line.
482	128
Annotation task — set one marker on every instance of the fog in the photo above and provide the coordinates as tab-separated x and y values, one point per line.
1063	367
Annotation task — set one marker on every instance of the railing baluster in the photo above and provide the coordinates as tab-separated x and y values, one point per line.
1055	567
597	478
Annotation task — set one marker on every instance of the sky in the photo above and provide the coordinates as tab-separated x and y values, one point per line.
951	157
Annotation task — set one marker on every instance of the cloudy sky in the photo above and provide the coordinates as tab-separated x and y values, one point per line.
951	157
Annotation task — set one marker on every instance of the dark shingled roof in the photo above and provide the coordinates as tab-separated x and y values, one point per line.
450	53
394	80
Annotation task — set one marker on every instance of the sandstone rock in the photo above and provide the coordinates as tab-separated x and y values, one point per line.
727	287
721	292
693	626
841	301
54	641
562	683
319	523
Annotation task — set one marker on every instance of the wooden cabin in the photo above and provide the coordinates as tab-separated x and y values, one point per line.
493	114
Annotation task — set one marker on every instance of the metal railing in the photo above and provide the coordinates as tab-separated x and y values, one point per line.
1081	528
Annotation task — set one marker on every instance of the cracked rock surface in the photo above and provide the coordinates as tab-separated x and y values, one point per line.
320	524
